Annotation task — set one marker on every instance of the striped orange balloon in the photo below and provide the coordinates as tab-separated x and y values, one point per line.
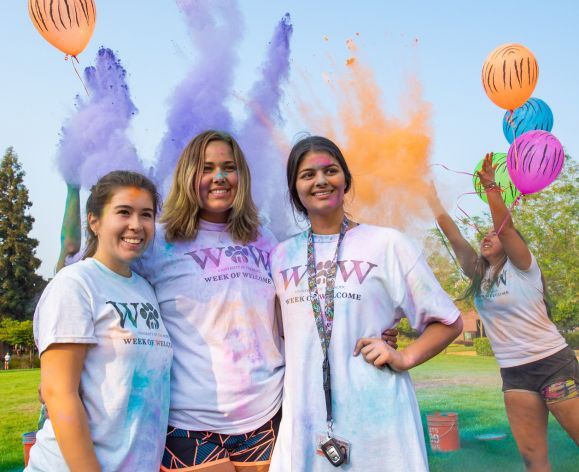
509	75
66	24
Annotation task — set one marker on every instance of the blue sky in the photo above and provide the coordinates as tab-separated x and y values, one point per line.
37	87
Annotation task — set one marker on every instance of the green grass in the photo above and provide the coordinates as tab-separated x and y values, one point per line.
459	348
471	386
467	385
18	414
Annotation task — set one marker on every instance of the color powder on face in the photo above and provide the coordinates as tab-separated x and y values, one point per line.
388	156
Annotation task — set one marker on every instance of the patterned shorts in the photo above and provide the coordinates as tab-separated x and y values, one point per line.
193	450
554	378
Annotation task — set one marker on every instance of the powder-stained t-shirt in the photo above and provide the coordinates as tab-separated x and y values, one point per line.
217	300
380	278
124	384
515	317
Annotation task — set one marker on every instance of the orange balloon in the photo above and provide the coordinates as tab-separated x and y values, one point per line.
509	75
66	24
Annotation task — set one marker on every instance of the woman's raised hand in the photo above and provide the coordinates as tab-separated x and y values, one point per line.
487	173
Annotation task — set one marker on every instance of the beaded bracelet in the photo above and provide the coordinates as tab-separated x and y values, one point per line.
492	186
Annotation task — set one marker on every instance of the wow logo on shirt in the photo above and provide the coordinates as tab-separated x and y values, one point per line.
133	310
492	289
346	269
223	255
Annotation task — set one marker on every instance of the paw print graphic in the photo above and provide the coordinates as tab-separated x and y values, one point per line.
237	253
322	270
150	315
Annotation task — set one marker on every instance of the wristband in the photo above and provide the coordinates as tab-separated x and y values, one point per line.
491	186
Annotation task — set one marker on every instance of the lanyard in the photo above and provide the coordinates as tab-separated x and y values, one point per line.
324	321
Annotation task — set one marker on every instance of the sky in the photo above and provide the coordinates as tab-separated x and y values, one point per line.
415	57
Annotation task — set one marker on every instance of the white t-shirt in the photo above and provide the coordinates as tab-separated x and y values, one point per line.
124	383
380	278
515	317
217	301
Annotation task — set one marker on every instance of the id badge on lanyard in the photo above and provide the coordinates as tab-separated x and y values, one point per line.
336	450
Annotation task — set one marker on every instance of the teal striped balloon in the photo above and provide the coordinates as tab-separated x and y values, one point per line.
532	115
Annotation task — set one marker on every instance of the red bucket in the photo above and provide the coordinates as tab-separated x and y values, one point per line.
28	440
443	431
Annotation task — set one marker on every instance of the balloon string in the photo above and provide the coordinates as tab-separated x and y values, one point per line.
74	58
451	170
509	213
468	218
512	123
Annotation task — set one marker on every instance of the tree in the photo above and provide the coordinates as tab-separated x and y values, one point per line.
548	221
19	283
18	334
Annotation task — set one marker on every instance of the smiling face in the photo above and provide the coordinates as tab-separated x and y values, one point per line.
320	184
491	247
218	182
124	229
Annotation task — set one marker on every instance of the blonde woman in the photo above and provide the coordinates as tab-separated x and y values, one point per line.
209	265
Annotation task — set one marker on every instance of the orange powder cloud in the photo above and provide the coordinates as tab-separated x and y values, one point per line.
387	155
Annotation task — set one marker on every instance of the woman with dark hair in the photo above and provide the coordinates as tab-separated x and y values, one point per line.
340	284
104	352
540	373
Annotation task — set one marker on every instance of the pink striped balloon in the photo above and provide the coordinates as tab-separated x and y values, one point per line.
534	161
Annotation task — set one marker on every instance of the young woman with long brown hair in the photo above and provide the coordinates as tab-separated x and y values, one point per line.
340	284
104	352
540	373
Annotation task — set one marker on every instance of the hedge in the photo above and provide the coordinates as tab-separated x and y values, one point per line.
572	339
482	346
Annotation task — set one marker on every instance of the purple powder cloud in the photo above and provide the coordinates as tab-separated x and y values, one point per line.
259	135
94	140
198	102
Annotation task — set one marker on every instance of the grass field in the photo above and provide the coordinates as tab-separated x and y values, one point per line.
471	386
18	414
467	385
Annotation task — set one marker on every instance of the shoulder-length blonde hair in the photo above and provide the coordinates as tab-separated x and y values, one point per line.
182	206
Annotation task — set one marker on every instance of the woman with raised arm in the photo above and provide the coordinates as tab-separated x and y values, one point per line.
348	397
540	373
